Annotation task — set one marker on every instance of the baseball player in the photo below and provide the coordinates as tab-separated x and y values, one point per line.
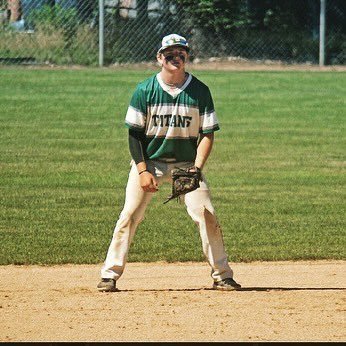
171	121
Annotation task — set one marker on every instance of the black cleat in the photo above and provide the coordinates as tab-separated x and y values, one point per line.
227	284
107	285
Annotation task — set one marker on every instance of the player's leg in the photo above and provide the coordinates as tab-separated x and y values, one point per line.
201	210
136	202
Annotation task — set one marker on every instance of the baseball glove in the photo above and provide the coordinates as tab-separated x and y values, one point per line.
184	180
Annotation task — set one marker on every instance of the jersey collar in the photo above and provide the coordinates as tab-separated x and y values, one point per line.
175	92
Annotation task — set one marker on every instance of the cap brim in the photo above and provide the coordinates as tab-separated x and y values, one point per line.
173	45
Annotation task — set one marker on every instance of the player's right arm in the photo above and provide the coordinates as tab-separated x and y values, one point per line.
135	120
136	145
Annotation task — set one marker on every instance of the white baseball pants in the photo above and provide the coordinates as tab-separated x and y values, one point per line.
198	205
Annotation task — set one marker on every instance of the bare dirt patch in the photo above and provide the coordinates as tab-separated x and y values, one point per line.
280	301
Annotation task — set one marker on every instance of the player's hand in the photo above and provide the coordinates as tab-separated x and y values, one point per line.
148	182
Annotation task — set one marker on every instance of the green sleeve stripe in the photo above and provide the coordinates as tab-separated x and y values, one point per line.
210	130
133	126
177	137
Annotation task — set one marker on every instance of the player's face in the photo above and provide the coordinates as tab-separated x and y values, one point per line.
173	58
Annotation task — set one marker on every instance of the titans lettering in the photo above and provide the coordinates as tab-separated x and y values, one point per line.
171	120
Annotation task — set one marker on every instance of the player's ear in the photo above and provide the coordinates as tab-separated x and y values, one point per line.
159	58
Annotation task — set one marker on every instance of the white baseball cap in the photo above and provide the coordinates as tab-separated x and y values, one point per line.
173	40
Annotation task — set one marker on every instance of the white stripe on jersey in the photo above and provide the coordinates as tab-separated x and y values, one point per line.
174	109
135	118
173	121
208	121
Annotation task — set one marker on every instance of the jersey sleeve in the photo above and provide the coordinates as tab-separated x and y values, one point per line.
208	119
137	111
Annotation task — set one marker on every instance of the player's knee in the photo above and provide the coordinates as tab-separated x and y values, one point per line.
203	214
126	219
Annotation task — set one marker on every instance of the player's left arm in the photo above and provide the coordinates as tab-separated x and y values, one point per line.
204	149
208	125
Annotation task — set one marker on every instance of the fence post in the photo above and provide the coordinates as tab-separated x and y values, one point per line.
322	32
101	32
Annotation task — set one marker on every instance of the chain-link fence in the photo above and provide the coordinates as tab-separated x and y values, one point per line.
44	31
67	31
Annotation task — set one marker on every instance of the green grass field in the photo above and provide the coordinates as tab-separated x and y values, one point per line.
277	171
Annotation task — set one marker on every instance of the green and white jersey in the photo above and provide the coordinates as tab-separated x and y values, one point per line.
170	121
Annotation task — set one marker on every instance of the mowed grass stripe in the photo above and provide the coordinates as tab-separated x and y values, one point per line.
277	171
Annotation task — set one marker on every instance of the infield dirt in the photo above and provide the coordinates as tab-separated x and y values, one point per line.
280	301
